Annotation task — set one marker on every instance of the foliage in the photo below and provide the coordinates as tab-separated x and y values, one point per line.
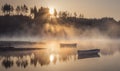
7	9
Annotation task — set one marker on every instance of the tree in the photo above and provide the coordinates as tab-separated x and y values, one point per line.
18	10
75	14
11	9
55	13
81	16
60	14
24	9
7	9
63	14
34	11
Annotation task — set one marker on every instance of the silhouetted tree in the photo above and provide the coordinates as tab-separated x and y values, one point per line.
75	14
24	9
11	9
7	9
34	12
43	13
60	14
55	13
64	14
81	16
18	10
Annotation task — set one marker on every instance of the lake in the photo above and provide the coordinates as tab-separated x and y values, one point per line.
54	58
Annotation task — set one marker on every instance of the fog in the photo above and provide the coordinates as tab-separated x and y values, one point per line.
60	32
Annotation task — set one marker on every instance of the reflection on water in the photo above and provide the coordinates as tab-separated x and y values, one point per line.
7	63
41	57
62	58
52	57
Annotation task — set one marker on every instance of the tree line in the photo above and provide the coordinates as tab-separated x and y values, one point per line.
24	20
8	9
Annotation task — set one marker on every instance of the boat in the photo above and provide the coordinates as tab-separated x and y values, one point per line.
84	56
68	45
88	53
92	51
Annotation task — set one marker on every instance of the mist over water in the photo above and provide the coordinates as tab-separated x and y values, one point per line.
101	35
60	31
85	38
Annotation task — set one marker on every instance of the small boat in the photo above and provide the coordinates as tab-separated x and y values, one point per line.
84	56
92	51
88	53
68	45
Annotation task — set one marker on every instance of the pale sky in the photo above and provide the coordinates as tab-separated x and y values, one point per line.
90	8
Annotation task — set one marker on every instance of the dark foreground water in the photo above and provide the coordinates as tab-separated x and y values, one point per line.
64	59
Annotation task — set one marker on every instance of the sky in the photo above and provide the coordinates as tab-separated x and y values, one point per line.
90	8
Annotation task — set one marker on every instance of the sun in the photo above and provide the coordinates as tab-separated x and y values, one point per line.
51	11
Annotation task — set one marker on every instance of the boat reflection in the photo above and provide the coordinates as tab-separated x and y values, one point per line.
39	57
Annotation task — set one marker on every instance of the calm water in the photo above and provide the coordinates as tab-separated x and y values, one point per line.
64	59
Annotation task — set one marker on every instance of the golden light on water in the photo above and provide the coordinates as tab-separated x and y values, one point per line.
52	46
51	58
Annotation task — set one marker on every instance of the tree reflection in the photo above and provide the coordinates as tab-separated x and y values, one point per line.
22	63
7	63
41	57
